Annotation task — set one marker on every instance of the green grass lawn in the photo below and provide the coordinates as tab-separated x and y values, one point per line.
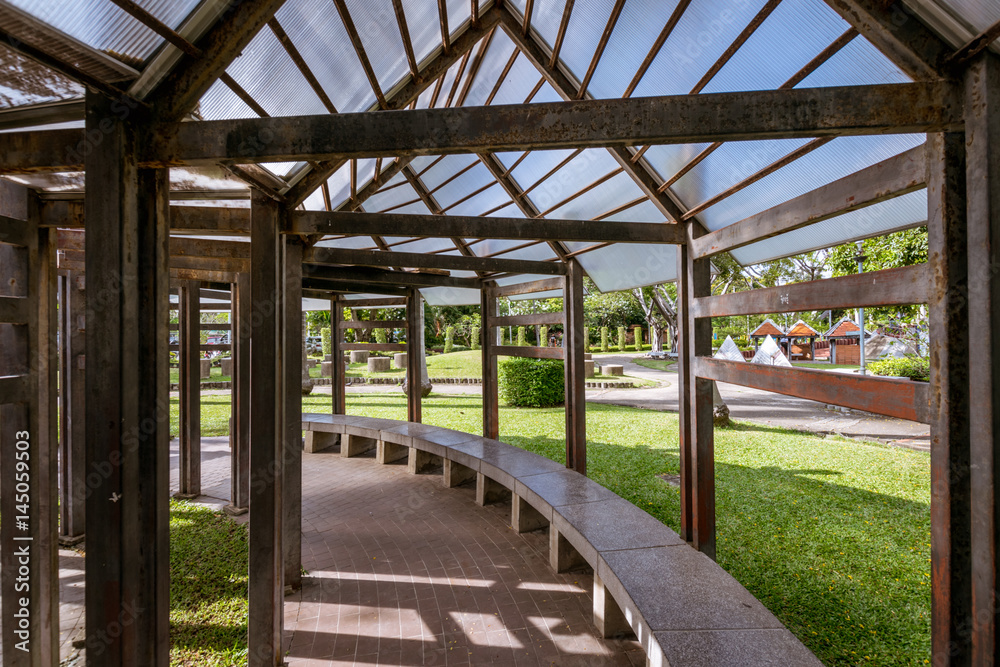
656	364
208	588
832	535
822	365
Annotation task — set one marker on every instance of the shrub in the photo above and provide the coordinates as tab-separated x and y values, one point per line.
521	341
536	383
604	340
637	338
543	336
475	338
380	336
449	339
586	338
326	341
915	368
621	339
503	336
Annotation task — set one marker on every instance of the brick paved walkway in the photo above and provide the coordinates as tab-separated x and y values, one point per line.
402	571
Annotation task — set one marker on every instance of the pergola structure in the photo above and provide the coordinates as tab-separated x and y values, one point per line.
802	330
365	151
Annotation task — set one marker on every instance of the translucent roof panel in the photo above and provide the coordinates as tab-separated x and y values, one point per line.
376	26
698	40
904	212
839	158
451	296
351	242
607	196
857	64
393	199
803	28
266	71
24	82
422	24
314	26
220	103
105	27
489	72
403	244
628	265
958	21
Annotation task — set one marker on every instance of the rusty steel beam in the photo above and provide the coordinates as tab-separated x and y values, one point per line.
533	287
679	119
899	34
414	260
890	287
399	224
890	178
903	399
529	352
374	276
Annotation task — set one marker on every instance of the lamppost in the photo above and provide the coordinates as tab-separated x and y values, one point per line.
861	313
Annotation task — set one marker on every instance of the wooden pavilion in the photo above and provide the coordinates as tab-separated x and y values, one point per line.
801	331
498	144
767	328
844	331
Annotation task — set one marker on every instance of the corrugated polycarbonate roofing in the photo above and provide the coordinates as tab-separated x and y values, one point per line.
724	182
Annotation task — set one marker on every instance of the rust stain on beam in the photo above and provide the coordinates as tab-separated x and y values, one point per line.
903	399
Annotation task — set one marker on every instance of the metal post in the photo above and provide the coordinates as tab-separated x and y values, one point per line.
861	314
128	428
266	570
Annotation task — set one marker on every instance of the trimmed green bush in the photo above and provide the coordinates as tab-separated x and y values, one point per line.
543	335
621	339
637	338
380	336
503	336
449	340
915	368
605	347
586	338
326	341
474	338
521	339
534	383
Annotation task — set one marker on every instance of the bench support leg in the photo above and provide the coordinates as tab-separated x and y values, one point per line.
563	556
523	517
355	445
420	460
456	474
608	616
489	491
317	441
387	452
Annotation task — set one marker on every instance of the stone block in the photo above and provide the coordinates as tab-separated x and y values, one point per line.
489	491
420	461
359	356
356	445
455	474
608	616
563	556
317	441
206	368
588	368
387	452
227	367
523	517
326	369
399	360
612	369
587	356
378	364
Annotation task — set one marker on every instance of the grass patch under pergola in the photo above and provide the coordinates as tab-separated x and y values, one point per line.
832	535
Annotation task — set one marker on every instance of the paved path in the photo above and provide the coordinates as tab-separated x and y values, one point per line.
402	571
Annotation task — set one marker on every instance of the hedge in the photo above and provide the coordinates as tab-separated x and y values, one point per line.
621	339
326	341
381	337
915	368
475	338
535	383
543	337
521	337
604	340
449	339
586	338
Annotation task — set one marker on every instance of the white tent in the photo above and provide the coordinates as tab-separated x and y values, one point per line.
769	353
729	351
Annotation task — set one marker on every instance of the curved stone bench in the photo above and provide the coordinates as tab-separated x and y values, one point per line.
683	607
